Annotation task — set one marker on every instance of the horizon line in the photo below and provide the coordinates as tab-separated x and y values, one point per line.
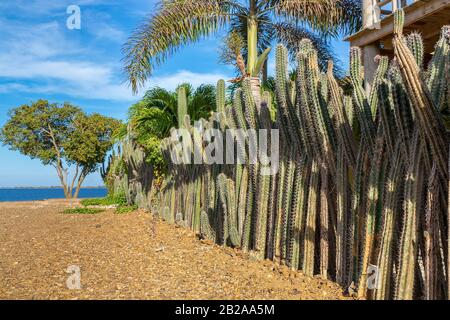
48	187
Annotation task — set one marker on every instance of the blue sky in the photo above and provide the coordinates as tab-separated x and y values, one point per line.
41	58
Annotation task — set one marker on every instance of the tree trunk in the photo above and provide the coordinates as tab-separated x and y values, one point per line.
60	172
255	84
79	183
252	56
252	38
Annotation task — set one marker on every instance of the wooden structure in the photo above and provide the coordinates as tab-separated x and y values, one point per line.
424	16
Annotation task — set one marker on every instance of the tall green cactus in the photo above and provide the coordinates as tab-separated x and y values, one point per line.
408	247
220	96
182	106
362	179
228	199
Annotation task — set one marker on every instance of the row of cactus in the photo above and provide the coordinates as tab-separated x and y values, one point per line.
361	192
113	172
127	172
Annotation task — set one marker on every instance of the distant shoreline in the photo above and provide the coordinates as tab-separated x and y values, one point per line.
50	187
44	193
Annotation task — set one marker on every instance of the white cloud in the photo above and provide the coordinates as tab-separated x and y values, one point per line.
27	67
170	82
43	7
39	58
38	40
102	30
12	87
96	86
43	58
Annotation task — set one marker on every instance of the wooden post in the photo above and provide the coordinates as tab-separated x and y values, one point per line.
370	52
371	14
367	13
394	5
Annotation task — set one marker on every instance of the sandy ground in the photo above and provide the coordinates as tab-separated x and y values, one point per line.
131	256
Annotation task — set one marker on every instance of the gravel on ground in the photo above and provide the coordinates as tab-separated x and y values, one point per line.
131	256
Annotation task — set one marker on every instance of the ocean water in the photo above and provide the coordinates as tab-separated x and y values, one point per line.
31	194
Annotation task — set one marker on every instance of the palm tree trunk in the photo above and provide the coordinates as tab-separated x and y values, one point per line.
252	37
255	85
252	56
252	40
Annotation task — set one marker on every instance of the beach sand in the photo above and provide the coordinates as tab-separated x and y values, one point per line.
131	256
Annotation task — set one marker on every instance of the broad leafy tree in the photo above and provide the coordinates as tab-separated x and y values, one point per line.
62	136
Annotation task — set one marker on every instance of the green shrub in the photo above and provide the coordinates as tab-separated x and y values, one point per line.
93	202
125	209
82	211
118	199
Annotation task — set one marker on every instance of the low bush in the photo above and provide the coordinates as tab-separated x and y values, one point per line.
82	211
118	199
93	202
125	209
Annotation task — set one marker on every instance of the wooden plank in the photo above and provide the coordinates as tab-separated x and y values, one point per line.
413	13
394	5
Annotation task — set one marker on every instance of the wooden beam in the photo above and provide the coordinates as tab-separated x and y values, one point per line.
382	3
413	13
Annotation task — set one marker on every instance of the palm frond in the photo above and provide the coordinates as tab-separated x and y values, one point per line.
351	16
156	103
290	35
153	122
202	102
189	89
162	99
176	23
328	16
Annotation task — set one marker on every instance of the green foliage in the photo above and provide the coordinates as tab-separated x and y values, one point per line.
35	129
62	136
116	199
122	209
153	116
94	202
260	62
90	140
82	211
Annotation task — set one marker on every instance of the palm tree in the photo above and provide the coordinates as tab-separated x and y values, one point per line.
156	113
151	119
179	22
